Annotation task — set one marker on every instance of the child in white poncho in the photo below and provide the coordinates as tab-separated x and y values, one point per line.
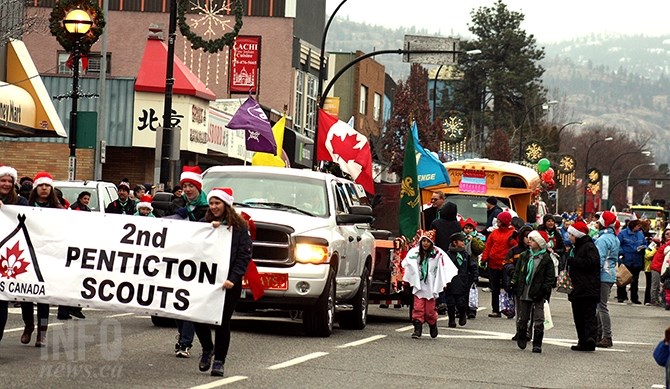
427	270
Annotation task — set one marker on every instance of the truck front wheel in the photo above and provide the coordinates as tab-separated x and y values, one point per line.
318	320
357	318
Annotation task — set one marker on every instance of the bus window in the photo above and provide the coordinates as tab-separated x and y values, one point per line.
473	206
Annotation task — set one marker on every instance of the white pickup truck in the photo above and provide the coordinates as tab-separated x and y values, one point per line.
313	245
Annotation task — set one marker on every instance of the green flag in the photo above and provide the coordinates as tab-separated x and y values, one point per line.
410	199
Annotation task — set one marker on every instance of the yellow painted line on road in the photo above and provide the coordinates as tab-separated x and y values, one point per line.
222	382
298	360
362	341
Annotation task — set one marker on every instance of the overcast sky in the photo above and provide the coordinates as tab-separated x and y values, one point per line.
549	21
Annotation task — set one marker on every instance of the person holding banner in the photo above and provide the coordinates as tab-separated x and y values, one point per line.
8	196
221	212
42	196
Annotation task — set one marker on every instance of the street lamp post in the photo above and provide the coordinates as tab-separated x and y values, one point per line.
552	102
635	167
77	22
586	167
609	171
439	69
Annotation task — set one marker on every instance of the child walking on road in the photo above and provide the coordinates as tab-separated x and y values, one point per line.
427	270
662	356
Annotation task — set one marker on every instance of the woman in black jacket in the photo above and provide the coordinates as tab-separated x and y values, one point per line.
221	212
583	264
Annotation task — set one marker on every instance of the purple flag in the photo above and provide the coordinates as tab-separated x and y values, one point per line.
257	130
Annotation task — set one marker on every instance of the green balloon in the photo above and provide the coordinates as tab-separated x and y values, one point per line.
543	165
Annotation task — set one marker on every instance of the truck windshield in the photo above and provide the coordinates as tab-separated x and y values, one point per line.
71	193
284	192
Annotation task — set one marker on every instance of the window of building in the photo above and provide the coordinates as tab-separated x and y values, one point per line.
363	100
299	100
377	107
310	120
94	64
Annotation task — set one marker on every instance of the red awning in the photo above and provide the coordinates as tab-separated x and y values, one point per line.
151	76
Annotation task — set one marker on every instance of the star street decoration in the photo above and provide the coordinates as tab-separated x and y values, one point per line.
211	15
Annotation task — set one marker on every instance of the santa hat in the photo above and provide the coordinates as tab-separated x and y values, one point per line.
8	171
606	219
428	234
505	218
225	194
43	178
539	237
578	229
468	221
192	175
145	202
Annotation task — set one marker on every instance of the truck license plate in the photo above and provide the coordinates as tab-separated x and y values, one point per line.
270	281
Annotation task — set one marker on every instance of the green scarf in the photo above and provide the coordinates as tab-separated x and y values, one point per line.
424	265
531	263
459	259
201	200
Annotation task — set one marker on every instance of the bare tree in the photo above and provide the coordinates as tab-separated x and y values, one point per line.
17	18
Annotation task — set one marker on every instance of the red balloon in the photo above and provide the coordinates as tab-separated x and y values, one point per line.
550	173
551	184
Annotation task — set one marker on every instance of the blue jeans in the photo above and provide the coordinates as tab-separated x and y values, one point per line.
186	332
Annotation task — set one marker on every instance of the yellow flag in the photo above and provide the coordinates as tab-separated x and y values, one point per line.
267	159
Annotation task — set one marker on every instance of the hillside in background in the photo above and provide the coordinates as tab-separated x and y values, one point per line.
611	80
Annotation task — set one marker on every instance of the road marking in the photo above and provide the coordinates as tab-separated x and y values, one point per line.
21	328
217	383
403	329
298	360
120	315
362	341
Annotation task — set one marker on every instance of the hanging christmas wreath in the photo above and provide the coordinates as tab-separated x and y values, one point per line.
210	16
60	11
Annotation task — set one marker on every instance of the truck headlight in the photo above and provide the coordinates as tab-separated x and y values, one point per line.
311	253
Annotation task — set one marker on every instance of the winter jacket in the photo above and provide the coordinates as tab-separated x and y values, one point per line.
240	253
446	225
77	206
630	242
492	214
121	208
498	244
193	213
608	248
440	272
467	272
657	260
584	268
542	281
662	357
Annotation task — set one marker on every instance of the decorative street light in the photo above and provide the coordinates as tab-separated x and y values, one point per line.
586	166
439	69
568	124
635	167
609	172
545	105
77	22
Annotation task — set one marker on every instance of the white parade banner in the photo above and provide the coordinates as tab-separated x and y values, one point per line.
161	267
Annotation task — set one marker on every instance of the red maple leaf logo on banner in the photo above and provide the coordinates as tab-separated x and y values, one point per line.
346	148
12	265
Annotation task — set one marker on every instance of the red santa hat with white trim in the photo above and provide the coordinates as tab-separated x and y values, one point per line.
43	178
578	229
8	171
192	175
225	194
145	202
607	219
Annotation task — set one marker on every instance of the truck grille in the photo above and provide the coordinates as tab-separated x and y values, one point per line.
272	245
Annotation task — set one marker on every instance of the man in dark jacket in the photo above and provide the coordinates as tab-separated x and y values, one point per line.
492	211
445	226
436	203
123	205
458	289
584	266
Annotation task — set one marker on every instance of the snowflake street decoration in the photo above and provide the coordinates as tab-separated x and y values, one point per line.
453	130
534	152
567	164
211	16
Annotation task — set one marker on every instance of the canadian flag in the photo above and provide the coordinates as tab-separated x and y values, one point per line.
340	143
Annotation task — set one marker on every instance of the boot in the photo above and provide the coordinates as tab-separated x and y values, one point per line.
41	338
451	311
418	328
521	340
604	343
462	318
537	341
433	330
27	333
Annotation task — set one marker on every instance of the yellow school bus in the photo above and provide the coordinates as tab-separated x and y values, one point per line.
473	180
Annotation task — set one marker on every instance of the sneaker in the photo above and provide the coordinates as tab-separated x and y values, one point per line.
205	360
183	352
495	314
217	369
638	302
433	330
521	342
537	349
604	343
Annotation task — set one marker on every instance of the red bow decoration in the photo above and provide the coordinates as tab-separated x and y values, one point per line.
252	277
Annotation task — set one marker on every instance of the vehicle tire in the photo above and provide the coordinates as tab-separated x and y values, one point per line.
163	321
357	318
318	320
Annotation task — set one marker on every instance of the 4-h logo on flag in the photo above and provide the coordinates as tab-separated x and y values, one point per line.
17	255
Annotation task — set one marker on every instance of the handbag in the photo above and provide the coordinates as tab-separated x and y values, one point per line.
548	321
474	297
563	281
506	305
623	275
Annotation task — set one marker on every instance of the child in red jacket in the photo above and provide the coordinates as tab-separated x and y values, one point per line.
498	244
